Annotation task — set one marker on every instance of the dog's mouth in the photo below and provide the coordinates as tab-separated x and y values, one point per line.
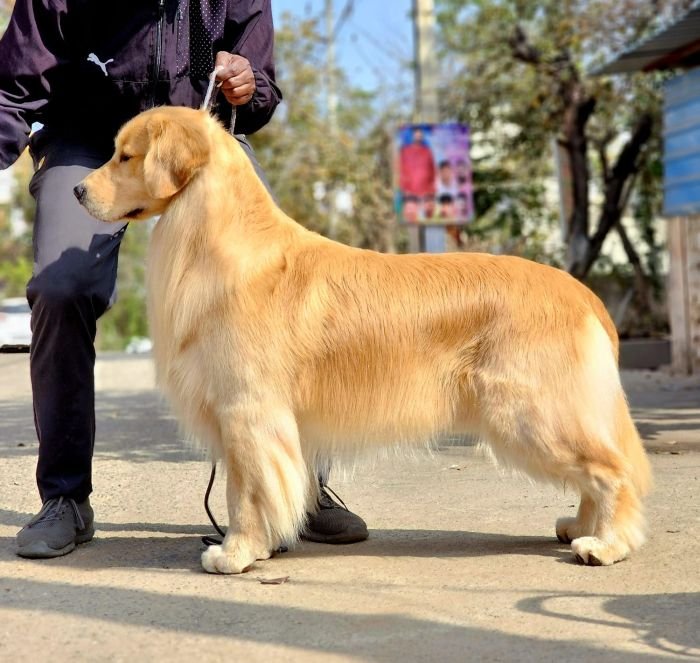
134	213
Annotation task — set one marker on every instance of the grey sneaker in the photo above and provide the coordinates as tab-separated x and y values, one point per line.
333	523
56	529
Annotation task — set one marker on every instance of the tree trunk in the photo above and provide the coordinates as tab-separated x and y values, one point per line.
616	193
576	145
583	248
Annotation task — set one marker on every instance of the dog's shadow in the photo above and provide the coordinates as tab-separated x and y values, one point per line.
438	543
178	546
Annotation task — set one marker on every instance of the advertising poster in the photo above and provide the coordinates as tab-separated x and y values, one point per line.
433	174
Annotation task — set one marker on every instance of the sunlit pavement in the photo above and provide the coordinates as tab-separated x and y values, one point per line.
462	563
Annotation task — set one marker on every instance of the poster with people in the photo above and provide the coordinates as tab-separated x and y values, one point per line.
433	174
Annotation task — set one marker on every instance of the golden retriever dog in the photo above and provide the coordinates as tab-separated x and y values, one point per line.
278	347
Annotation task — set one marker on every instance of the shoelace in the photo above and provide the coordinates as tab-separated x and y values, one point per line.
326	501
52	510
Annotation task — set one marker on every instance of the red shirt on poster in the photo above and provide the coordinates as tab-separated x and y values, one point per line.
417	170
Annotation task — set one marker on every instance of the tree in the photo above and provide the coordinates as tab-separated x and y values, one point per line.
128	317
16	247
304	160
5	12
525	79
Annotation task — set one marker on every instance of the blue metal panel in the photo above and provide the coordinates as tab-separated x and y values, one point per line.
682	168
682	199
682	145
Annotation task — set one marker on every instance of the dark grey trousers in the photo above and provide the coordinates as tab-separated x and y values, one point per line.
73	283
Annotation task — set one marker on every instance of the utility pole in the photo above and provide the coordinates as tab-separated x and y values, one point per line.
426	94
425	108
331	111
331	94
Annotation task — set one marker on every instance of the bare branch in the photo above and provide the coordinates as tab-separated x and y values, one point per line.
617	191
641	280
603	156
627	161
601	146
522	49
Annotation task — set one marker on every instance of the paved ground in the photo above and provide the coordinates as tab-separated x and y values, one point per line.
461	565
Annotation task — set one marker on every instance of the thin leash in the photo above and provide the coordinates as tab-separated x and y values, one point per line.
212	540
215	540
210	98
207	105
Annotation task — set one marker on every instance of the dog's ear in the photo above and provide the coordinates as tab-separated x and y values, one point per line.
175	152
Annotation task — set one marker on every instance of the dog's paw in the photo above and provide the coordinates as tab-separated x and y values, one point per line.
237	557
569	529
592	551
215	560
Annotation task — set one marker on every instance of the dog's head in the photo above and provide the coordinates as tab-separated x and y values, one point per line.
156	155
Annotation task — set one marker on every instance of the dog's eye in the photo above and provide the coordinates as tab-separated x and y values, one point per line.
124	157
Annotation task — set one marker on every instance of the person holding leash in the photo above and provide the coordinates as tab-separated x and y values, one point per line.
82	70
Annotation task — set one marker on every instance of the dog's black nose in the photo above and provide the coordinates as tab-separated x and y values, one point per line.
80	192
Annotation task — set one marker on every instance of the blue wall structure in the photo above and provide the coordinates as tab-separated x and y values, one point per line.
682	145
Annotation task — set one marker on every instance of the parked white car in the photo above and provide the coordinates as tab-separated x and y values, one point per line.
139	345
15	316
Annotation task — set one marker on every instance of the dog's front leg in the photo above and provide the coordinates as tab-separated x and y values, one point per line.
266	491
245	541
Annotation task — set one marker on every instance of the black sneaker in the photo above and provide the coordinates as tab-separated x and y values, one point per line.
56	529
333	523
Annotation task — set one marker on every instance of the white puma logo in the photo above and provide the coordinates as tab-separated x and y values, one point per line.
102	65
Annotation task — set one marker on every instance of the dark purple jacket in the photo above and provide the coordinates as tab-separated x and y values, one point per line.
84	67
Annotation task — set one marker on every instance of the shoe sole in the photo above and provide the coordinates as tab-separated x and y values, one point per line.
40	550
336	539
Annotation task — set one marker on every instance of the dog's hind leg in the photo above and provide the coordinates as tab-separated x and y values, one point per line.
620	523
266	491
616	479
594	449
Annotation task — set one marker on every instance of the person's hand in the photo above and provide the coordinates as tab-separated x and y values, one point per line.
236	76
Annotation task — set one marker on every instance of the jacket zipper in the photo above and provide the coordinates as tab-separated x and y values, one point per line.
178	44
155	74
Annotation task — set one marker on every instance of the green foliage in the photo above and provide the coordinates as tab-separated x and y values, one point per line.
516	108
14	276
16	250
128	317
22	199
523	81
511	213
298	151
514	93
5	11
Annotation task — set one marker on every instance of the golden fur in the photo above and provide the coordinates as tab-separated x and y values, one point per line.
278	347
